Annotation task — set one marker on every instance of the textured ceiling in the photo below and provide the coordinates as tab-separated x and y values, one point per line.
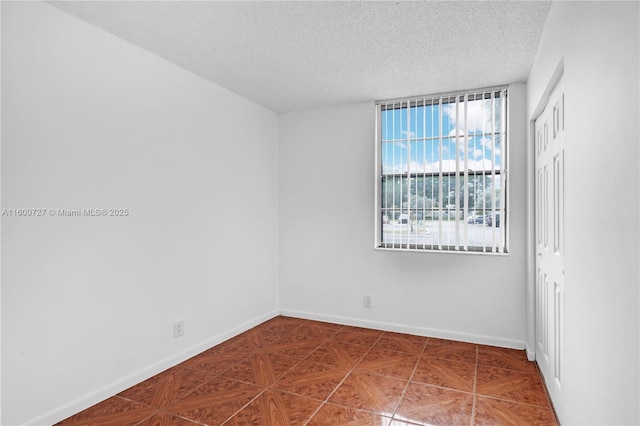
293	55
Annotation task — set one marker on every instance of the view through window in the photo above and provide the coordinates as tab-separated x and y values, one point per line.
441	172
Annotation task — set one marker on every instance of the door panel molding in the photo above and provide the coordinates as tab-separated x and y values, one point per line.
548	221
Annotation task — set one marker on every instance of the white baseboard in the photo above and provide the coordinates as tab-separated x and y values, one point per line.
531	354
401	328
118	386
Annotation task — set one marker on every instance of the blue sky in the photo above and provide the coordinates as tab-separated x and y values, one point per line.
402	130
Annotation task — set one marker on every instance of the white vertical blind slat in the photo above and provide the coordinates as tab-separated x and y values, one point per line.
393	162
493	172
456	189
465	187
408	172
503	171
433	124
424	168
484	155
415	195
440	182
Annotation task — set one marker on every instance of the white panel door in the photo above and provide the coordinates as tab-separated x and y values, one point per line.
549	221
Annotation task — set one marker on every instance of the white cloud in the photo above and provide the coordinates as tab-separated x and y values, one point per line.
487	143
478	116
477	164
392	169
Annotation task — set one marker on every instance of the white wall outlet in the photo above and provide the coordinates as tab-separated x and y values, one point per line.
367	301
178	328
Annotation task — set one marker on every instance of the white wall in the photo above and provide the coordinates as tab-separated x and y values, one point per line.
327	260
599	44
88	304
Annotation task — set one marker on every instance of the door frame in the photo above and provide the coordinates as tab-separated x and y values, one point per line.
530	334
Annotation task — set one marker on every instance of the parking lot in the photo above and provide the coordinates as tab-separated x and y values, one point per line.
433	233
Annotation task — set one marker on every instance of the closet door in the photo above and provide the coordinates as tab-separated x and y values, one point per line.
549	222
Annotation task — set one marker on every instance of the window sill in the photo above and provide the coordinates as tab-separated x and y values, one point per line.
457	252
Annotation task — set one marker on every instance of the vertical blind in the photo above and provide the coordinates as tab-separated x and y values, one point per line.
441	172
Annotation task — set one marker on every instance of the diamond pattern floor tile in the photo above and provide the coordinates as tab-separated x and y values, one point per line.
388	363
338	354
357	335
112	411
274	407
296	346
330	414
312	380
452	351
215	401
445	373
401	343
167	387
262	368
491	411
162	418
511	385
425	404
320	330
291	371
368	392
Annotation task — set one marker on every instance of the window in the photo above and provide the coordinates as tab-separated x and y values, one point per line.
441	172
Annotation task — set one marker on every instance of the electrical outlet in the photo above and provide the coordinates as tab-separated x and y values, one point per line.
367	301
178	328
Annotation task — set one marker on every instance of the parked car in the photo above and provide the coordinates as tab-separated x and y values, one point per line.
475	218
489	219
404	218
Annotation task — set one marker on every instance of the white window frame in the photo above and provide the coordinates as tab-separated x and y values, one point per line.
500	234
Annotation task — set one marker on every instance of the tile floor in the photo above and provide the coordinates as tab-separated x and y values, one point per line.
290	371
